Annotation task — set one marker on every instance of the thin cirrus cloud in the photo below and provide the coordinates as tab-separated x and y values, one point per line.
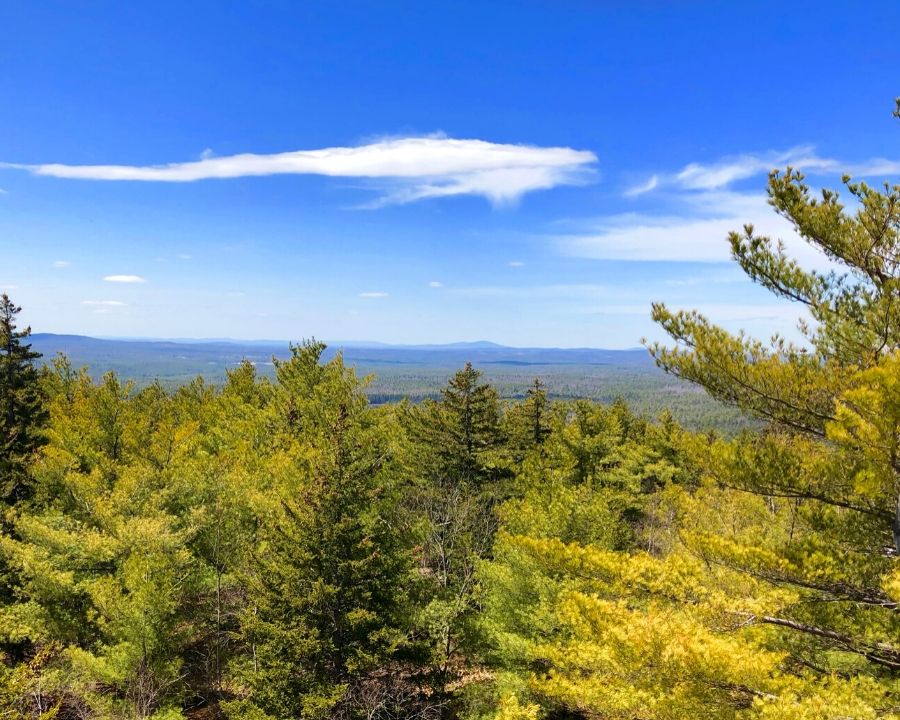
127	279
698	234
413	168
435	284
702	208
373	294
61	264
103	303
650	184
728	170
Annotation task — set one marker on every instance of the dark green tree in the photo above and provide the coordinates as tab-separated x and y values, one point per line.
527	424
463	428
328	596
458	477
22	412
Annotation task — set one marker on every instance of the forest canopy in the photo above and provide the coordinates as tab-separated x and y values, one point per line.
283	549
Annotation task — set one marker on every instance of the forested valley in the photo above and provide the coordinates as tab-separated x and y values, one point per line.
276	549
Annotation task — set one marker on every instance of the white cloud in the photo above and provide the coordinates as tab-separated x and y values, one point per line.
874	167
564	292
699	176
722	277
3	192
698	234
725	171
103	303
516	263
416	167
6	287
184	256
373	294
642	188
131	279
61	263
435	284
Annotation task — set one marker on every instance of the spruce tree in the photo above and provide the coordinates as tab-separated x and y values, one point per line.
458	480
328	594
463	428
22	411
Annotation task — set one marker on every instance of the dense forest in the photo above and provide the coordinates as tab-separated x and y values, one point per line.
280	548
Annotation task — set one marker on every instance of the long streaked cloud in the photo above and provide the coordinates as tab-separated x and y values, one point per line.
698	233
127	279
699	208
649	184
725	171
412	168
373	294
103	303
719	174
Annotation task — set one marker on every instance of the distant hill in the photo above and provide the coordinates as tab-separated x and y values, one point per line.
410	371
161	358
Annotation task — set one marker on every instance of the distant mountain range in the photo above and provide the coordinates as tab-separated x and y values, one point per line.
408	371
110	353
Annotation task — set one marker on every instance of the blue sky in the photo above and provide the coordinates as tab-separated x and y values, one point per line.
532	173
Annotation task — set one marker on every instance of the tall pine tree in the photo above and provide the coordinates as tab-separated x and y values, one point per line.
22	411
328	597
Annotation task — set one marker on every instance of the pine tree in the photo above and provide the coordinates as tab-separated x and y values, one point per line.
22	411
467	425
328	593
527	424
828	469
536	408
458	479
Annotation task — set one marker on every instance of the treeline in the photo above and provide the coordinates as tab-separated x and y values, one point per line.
283	549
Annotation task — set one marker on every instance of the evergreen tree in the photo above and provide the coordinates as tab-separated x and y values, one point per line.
536	410
527	424
458	478
22	411
327	596
465	426
827	471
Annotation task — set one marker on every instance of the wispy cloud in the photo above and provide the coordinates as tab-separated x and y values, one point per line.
515	264
184	256
414	168
565	292
130	279
719	174
373	294
725	171
702	208
61	263
435	284
644	187
103	303
697	234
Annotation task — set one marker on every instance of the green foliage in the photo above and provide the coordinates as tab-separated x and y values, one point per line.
326	594
22	414
275	547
